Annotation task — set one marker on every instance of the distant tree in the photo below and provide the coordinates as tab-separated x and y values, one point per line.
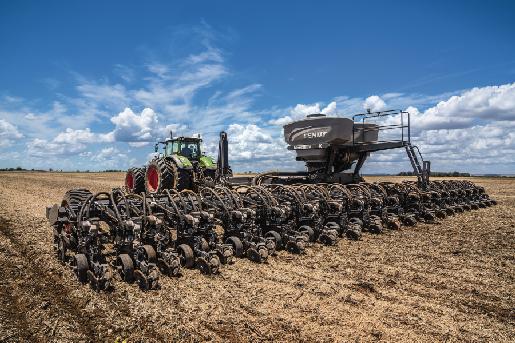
50	170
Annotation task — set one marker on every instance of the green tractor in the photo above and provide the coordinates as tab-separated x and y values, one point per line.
182	165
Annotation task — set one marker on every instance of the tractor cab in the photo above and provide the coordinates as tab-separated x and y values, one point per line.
188	147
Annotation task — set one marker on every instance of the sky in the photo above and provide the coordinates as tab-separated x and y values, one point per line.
92	85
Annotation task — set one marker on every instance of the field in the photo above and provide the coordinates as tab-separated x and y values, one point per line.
449	282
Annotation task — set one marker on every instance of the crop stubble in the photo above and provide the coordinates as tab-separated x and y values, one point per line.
447	282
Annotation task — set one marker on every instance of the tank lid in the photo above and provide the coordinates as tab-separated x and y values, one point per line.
315	115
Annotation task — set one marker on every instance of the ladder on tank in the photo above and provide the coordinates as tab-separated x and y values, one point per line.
422	171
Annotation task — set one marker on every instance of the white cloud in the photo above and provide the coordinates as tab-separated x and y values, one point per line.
131	127
301	111
140	129
490	103
253	144
330	109
374	103
43	148
71	136
210	55
138	144
8	133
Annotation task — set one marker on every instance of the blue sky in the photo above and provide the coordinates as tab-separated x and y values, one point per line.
90	85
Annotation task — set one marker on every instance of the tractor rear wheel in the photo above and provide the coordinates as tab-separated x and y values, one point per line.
135	180
159	176
163	173
183	178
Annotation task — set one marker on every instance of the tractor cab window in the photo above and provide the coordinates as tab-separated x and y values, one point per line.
191	150
172	148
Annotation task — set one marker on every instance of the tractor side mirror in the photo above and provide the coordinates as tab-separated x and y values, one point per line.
156	147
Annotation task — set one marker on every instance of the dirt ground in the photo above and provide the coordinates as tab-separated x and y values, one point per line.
449	282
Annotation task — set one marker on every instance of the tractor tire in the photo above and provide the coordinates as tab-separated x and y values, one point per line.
209	178
75	198
183	178
135	180
163	173
159	176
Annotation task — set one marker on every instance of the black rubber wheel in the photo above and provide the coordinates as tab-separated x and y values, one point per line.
259	254
159	175
237	245
126	265
214	264
209	177
186	254
276	237
163	173
80	262
75	198
150	253
183	178
353	232
328	238
204	245
307	231
440	214
333	226
203	266
355	220
142	280
135	180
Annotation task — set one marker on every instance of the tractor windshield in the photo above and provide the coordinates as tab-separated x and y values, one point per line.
172	148
191	150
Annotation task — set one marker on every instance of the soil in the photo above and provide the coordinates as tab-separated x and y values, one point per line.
454	281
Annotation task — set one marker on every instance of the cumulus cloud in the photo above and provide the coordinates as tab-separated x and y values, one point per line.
140	129
301	110
132	127
251	142
71	136
42	148
8	133
68	142
492	103
374	103
471	128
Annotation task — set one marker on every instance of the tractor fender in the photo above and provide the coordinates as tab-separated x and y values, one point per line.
181	162
207	162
